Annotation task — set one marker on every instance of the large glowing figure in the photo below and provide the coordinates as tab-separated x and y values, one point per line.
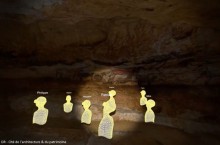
149	115
143	99
87	114
107	123
40	116
68	106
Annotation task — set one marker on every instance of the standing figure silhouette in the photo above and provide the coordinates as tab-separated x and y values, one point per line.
143	99
40	116
68	106
107	123
87	114
149	115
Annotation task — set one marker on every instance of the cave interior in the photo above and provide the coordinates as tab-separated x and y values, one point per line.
55	48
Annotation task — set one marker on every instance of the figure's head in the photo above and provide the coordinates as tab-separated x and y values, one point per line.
40	101
143	93
86	104
112	93
68	98
150	103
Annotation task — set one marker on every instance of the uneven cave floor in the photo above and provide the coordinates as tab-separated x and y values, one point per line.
79	134
18	107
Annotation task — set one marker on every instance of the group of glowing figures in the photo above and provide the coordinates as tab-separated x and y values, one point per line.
106	125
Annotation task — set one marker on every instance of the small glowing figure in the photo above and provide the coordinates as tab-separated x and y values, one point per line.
107	123
111	101
68	106
149	115
87	114
143	99
40	116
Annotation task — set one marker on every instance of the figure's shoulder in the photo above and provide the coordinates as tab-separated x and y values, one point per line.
143	97
35	112
46	110
112	100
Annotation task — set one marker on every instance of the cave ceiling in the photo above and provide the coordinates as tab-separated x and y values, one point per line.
162	40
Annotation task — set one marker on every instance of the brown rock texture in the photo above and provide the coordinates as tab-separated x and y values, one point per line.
160	40
171	48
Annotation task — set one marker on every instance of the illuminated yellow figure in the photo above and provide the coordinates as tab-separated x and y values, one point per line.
149	115
68	106
111	101
143	99
87	114
107	123
40	116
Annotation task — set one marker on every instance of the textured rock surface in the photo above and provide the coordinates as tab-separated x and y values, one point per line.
166	40
170	47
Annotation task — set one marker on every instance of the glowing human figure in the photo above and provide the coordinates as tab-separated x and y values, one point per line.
111	101
40	116
107	123
87	114
149	115
68	106
143	99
